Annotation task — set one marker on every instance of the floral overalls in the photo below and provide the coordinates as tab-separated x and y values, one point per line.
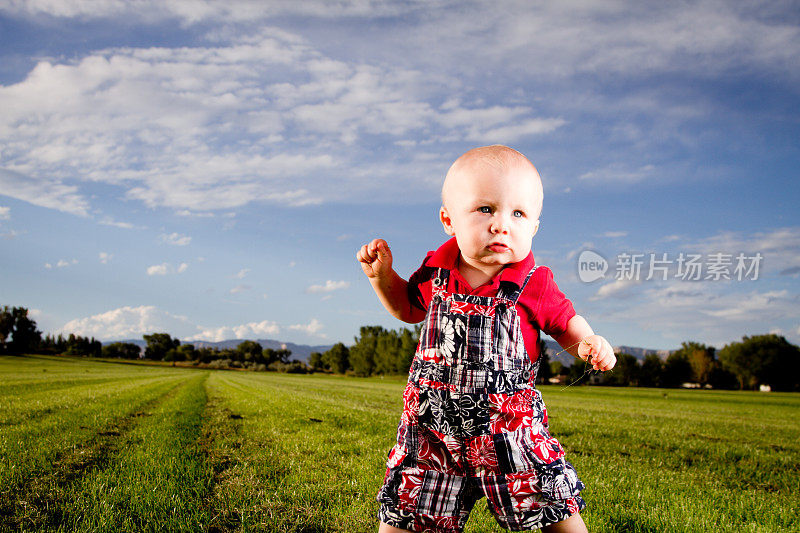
473	424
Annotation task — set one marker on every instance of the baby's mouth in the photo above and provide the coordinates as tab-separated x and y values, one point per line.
498	247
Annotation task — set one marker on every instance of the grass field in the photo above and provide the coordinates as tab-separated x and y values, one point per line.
94	446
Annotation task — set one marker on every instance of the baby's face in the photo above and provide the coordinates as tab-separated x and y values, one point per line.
493	214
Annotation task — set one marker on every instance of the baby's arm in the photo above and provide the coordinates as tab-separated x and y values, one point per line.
580	341
376	262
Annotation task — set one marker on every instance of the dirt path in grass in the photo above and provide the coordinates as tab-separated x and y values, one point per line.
220	439
38	500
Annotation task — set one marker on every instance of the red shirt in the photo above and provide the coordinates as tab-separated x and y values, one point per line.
542	306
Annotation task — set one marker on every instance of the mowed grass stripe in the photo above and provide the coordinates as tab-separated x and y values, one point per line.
291	473
159	481
29	449
37	502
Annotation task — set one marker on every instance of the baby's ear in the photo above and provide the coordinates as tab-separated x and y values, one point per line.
535	228
447	223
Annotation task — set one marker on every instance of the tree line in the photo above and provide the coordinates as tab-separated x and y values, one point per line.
757	360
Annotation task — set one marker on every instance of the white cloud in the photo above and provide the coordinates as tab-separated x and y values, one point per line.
175	239
779	247
5	213
619	289
50	193
166	268
615	234
105	257
242	273
252	330
159	270
108	221
150	121
312	328
128	322
62	263
200	11
329	286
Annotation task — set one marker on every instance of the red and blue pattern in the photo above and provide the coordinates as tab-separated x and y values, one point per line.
473	425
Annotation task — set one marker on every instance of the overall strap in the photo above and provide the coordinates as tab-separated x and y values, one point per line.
439	282
514	295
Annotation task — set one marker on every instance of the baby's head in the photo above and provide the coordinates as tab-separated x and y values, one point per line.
491	202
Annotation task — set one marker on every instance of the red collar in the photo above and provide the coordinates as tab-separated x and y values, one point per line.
446	256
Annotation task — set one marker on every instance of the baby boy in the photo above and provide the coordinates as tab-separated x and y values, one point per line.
473	424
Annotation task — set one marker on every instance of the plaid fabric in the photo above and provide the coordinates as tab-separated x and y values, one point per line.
473	424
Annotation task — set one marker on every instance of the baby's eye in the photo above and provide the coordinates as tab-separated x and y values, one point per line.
518	214
485	209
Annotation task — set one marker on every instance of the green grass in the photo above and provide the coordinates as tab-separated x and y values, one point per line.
91	446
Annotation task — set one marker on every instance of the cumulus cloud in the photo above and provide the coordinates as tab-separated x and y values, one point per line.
175	239
52	193
105	257
166	268
62	263
312	328
158	270
128	322
5	213
252	118
329	286
620	288
779	247
244	331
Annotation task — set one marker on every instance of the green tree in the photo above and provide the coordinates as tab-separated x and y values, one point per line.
625	373
6	327
25	338
315	362
83	346
409	338
544	373
270	356
387	352
337	359
763	360
651	371
121	350
250	352
700	358
186	352
677	370
362	354
159	345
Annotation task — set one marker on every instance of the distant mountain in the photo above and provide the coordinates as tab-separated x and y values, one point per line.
301	352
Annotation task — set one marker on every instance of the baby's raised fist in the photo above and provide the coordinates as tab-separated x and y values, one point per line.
375	258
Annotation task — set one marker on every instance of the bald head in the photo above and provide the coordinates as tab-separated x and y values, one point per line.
495	160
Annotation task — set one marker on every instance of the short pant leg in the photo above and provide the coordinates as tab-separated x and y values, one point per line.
426	500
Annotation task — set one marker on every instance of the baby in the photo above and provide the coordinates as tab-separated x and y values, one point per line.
473	425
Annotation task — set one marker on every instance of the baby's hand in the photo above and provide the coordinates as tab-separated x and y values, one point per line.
375	258
598	352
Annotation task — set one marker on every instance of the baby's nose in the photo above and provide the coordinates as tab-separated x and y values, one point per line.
500	224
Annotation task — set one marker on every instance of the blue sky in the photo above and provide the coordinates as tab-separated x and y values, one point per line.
209	168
